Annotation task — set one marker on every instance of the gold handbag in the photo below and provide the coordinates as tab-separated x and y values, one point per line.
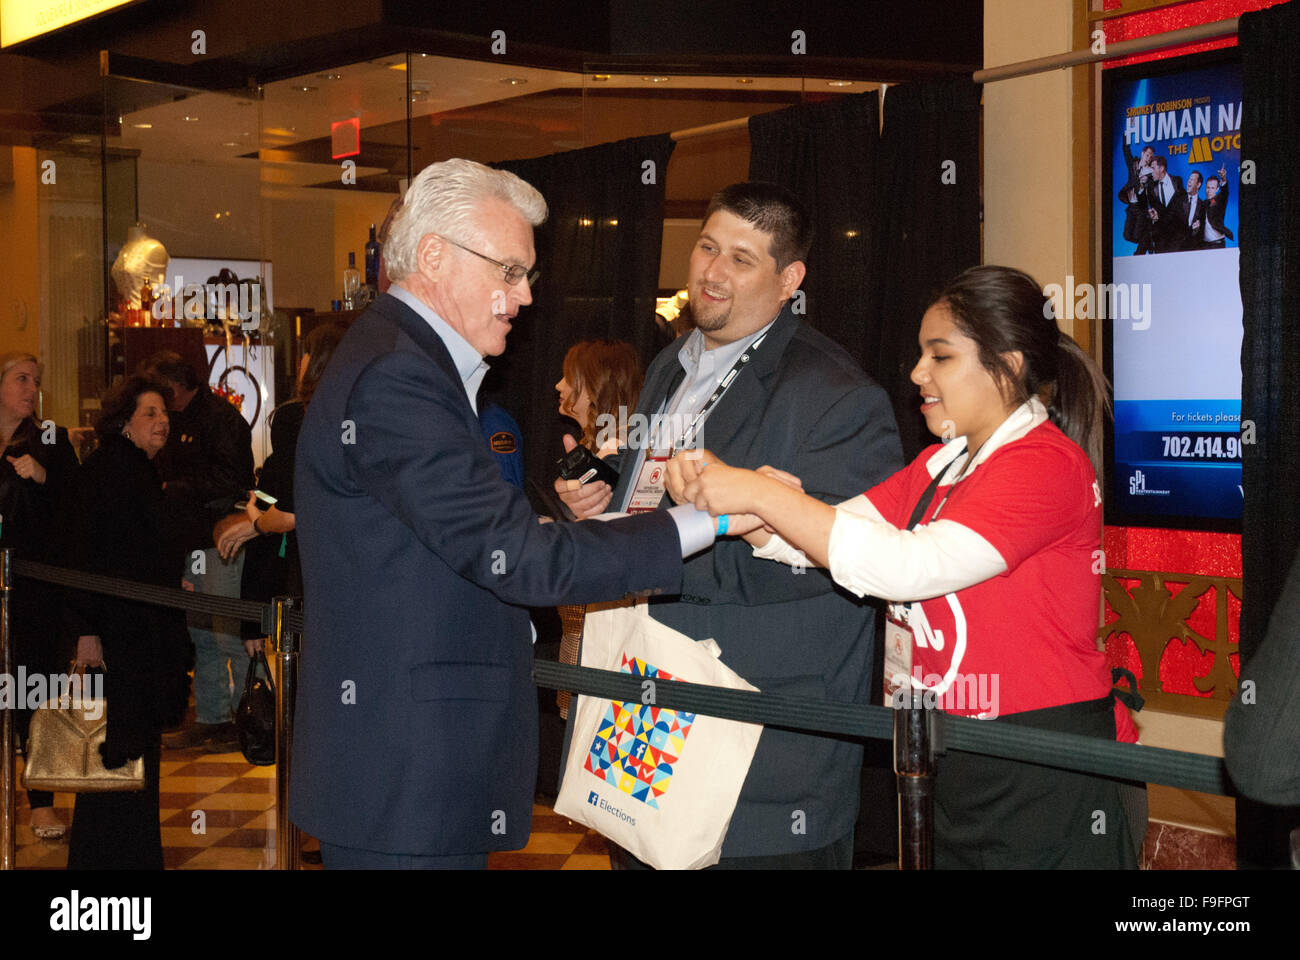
63	748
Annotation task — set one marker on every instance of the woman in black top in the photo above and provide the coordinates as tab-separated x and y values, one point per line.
115	526
271	566
38	461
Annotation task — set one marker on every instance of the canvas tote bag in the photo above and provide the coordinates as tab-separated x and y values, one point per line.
660	783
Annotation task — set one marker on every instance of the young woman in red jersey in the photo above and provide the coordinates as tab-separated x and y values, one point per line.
989	548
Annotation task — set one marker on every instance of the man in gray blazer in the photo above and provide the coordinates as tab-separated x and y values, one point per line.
795	398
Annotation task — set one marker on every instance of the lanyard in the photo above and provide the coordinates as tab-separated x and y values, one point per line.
924	503
689	433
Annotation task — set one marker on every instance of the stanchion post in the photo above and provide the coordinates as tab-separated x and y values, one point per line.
288	838
915	766
8	786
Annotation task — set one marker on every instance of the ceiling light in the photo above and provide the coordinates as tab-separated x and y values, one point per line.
602	76
514	81
331	76
839	83
744	80
850	233
230	143
656	79
190	119
585	222
305	89
143	126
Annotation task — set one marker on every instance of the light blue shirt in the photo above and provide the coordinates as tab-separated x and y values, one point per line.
704	368
469	362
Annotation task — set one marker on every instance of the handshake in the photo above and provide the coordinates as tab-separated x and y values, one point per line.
696	477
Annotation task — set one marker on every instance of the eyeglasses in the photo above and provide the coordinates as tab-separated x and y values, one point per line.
513	271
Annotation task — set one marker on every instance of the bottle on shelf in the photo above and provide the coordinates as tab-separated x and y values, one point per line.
351	282
146	303
372	261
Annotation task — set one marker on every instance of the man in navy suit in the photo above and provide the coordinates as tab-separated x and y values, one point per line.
416	722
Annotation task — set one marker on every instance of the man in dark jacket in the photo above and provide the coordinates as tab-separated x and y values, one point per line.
416	720
206	467
785	395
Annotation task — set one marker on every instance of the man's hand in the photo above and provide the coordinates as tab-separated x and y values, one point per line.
684	469
28	467
584	499
253	645
722	489
231	533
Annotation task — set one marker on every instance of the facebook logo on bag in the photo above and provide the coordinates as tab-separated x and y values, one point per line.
592	798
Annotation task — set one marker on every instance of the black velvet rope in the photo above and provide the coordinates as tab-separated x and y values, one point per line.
1123	761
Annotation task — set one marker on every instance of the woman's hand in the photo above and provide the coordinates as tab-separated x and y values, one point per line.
231	533
90	651
251	510
789	479
583	499
28	467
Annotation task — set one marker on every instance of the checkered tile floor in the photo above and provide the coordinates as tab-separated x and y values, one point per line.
237	828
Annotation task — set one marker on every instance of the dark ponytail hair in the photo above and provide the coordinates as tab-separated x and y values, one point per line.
1004	310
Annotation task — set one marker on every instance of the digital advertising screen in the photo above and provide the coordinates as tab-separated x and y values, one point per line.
1171	299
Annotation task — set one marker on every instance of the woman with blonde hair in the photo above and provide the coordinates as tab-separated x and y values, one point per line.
38	460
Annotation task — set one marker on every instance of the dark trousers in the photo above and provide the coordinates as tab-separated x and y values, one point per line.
835	856
119	830
993	813
350	858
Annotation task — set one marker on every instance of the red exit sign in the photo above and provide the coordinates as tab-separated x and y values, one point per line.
345	138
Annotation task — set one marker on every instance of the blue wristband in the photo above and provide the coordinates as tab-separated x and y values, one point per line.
724	520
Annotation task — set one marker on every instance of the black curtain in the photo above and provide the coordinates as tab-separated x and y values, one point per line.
599	255
896	216
1270	357
928	229
825	153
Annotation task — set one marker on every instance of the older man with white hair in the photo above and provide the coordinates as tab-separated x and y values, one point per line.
416	724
